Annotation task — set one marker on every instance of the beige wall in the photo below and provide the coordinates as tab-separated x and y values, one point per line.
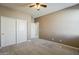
62	26
16	14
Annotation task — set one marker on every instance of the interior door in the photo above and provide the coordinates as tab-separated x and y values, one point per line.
34	30
37	29
21	30
8	31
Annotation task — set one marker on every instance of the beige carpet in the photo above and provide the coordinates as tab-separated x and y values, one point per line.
39	47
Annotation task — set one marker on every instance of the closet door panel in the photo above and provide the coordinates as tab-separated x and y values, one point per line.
21	30
34	30
8	31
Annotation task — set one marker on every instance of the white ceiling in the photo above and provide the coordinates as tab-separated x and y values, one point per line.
51	7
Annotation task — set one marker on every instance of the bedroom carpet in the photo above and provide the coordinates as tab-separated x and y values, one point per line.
39	47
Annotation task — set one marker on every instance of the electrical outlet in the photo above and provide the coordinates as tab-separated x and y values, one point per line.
60	40
60	46
52	38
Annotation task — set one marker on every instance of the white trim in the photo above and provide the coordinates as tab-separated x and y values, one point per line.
61	44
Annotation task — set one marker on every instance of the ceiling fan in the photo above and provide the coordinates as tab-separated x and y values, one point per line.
38	6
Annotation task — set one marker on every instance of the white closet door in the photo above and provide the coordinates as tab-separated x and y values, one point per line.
8	31
37	30
21	30
34	30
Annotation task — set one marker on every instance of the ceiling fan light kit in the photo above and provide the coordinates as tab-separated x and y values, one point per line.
38	6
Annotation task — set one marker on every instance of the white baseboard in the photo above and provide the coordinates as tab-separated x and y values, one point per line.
67	45
61	44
